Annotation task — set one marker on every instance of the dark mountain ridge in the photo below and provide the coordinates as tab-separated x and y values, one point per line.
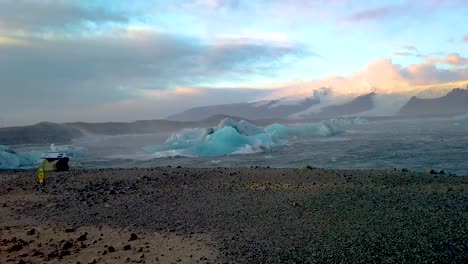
454	103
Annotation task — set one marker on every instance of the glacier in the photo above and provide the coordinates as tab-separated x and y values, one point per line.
231	137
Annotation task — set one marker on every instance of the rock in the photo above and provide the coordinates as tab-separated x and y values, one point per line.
111	249
112	192
295	204
127	247
133	237
432	172
82	237
21	261
442	172
104	252
15	247
93	261
67	245
69	230
52	254
31	232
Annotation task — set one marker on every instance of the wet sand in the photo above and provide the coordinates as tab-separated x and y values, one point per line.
228	215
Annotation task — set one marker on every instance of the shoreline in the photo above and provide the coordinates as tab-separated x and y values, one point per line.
233	215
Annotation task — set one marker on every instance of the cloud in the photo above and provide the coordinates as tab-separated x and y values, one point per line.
31	15
375	13
381	76
89	70
465	38
453	59
403	53
410	48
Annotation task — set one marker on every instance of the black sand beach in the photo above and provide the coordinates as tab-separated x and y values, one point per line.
257	215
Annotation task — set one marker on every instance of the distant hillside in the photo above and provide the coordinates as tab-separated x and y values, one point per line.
137	127
41	133
273	109
454	103
359	104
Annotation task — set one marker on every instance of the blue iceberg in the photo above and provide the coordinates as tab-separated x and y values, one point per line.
232	137
10	159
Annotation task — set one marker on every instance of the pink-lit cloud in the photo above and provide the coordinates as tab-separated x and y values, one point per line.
381	76
453	59
465	38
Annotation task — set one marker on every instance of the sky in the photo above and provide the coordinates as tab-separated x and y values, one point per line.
111	60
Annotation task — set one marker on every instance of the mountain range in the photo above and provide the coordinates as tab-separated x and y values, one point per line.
453	103
284	110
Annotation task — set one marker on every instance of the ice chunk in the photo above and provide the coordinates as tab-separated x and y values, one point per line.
360	121
71	151
243	127
248	129
318	129
30	158
10	159
231	137
462	117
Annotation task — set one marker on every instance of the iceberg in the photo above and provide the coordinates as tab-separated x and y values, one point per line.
71	151
10	159
360	121
461	117
231	138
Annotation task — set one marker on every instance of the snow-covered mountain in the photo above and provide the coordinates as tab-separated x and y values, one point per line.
270	109
324	104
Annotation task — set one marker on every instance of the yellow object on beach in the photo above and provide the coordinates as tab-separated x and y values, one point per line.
41	174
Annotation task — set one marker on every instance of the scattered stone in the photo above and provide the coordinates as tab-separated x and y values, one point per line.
52	255
31	232
69	230
111	249
104	252
442	172
67	245
15	247
133	237
83	237
127	247
93	261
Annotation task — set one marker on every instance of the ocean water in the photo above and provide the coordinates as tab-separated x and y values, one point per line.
417	145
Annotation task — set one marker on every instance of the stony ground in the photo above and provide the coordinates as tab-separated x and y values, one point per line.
259	215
